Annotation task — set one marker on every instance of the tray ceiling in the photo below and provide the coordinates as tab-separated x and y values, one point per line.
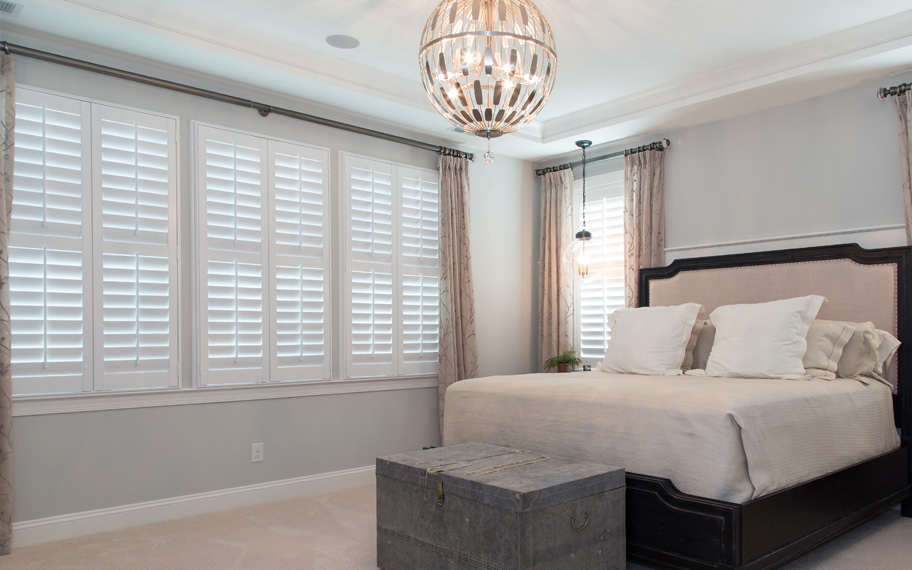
625	67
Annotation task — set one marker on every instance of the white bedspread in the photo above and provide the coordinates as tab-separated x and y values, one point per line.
722	438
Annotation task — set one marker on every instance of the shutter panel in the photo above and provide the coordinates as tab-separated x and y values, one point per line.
135	249
601	297
232	200
419	251
370	295
48	247
300	180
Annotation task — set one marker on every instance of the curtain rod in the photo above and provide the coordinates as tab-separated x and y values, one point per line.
262	108
883	92
658	145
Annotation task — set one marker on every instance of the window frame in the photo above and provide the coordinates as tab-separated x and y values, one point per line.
396	366
93	381
267	368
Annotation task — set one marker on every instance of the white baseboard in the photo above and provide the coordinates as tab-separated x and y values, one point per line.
869	238
102	520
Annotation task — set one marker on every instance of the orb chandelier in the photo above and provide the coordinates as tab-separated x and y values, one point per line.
488	66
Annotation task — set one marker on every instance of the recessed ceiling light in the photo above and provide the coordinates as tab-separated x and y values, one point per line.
342	42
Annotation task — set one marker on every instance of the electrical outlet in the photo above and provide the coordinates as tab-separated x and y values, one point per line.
256	452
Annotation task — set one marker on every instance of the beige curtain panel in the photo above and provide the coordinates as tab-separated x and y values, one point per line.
8	106
458	343
555	288
903	104
644	217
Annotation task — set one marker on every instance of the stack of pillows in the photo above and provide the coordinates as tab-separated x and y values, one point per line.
778	339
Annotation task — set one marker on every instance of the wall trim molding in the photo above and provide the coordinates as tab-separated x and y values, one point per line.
71	403
115	518
873	237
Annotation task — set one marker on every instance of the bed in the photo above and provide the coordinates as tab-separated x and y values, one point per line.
716	476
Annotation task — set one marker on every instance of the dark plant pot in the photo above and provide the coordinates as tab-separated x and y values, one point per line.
563	367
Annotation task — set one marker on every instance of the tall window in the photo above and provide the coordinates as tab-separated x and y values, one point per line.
598	298
93	250
392	232
263	259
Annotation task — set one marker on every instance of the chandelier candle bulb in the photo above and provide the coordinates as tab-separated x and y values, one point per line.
488	66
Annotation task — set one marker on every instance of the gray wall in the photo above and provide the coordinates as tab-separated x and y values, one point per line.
827	164
66	463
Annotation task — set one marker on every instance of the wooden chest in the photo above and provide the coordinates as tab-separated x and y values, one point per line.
479	506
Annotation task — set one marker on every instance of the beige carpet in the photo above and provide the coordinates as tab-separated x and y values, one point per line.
335	531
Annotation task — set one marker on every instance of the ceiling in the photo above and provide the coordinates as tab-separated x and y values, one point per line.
625	67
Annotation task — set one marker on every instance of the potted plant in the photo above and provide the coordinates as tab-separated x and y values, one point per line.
563	361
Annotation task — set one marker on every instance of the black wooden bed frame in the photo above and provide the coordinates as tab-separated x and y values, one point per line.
667	528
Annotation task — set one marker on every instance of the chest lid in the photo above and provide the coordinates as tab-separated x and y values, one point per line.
502	477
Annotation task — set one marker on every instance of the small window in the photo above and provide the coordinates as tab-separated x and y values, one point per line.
597	299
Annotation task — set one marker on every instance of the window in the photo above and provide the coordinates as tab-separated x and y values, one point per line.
263	259
597	299
93	257
93	250
391	296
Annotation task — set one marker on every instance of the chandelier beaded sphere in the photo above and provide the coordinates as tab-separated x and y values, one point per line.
488	66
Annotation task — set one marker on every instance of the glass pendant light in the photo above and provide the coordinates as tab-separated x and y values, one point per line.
578	260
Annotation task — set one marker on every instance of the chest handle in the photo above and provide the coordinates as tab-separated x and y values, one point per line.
579	528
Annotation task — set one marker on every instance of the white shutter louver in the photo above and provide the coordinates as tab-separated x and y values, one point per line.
136	249
49	245
599	298
233	254
419	251
301	261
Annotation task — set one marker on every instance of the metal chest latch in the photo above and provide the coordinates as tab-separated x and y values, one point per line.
439	493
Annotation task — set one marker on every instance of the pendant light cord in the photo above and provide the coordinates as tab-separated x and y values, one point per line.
584	188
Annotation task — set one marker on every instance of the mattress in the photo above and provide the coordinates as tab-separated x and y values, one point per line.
727	439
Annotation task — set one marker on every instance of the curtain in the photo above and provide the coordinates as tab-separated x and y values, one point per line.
644	217
7	107
903	105
555	288
458	343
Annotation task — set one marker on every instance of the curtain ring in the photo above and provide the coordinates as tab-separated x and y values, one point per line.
6	48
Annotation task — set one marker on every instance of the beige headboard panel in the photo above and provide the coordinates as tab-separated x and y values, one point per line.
854	292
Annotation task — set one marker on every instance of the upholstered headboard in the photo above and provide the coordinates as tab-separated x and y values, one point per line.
860	285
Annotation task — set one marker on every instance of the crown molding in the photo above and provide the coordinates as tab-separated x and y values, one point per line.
880	36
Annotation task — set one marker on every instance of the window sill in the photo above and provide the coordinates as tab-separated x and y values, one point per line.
44	405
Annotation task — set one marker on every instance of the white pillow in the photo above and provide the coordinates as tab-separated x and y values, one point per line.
762	340
649	340
825	343
889	344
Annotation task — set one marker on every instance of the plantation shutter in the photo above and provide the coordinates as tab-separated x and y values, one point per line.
419	270
49	260
233	255
135	249
300	180
370	293
601	297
